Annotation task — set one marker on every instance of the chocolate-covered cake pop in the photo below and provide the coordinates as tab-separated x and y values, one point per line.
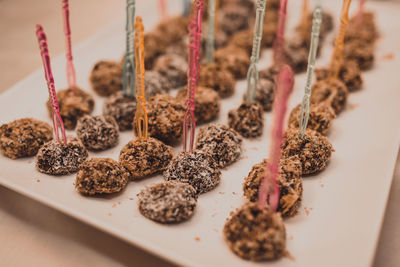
365	32
247	120
332	91
234	59
234	19
174	68
247	5
106	77
207	103
256	234
222	143
320	117
349	74
290	184
264	93
314	149
73	103
243	39
195	168
165	116
179	48
101	176
297	58
121	108
269	73
168	202
144	157
218	78
173	29
24	137
155	45
360	52
97	132
57	158
269	31
155	83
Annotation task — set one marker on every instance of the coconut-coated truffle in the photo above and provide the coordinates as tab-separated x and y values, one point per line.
247	120
332	91
218	78
57	158
168	202
365	31
195	168
264	94
207	103
106	77
297	58
289	182
97	132
256	234
73	103
23	137
174	68
155	45
314	149
233	19
269	31
173	29
243	39
121	108
155	83
270	72
144	157
234	59
101	176
320	117
360	52
222	143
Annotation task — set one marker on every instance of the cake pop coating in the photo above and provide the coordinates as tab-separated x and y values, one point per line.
222	143
106	77
314	149
144	157
24	137
256	234
332	91
174	68
235	60
101	176
168	202
218	78
247	120
290	184
195	168
97	132
121	108
57	158
360	52
264	93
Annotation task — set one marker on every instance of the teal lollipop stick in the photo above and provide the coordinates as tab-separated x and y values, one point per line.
252	73
186	7
305	105
128	70
210	33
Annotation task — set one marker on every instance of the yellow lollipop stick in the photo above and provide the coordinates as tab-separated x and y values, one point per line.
141	112
337	55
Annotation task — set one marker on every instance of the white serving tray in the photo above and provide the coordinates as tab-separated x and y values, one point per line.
343	206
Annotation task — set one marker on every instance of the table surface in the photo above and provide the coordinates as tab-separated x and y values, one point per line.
48	237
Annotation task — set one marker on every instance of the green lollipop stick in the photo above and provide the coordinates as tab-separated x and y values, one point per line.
128	70
210	34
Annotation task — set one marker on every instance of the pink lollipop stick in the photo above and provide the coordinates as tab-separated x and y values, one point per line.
162	5
361	5
57	120
269	188
195	24
279	40
71	74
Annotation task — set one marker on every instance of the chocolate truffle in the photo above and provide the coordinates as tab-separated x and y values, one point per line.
264	94
234	59
314	149
360	52
174	68
233	19
73	103
195	168
144	157
289	181
218	78
180	49
320	117
121	108
349	74
57	158
23	137
326	23
269	32
222	143
97	132
365	31
207	103
269	73
247	5
332	91
165	117
155	45
101	176
155	83
220	40
173	29
256	234
297	58
106	77
247	120
168	202
243	39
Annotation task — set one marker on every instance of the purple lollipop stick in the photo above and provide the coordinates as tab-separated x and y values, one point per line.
71	74
280	32
57	121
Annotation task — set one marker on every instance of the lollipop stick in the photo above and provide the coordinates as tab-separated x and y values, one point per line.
360	12
189	122
128	70
58	124
337	55
162	6
141	113
269	189
186	7
279	40
210	34
252	73
71	74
